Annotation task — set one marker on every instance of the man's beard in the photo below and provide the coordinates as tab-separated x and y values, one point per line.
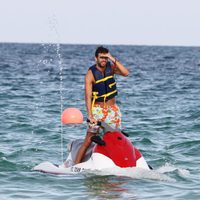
101	66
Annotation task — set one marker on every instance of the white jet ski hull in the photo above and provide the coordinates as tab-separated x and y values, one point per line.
96	162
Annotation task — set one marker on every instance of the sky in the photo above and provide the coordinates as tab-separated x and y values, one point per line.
128	22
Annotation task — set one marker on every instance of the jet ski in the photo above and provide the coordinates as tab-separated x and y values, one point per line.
112	150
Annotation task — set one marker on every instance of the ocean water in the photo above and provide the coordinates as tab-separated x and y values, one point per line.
159	101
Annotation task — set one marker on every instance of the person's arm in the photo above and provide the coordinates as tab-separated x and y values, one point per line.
88	94
118	67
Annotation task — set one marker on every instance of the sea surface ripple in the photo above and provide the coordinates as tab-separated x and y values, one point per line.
159	101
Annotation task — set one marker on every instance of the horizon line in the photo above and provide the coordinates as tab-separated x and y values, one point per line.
95	44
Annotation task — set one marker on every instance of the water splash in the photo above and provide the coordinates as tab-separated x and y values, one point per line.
61	96
53	24
135	173
171	168
53	27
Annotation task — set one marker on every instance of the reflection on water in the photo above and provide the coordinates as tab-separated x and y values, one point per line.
108	187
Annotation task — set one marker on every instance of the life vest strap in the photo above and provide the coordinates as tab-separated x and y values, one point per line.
103	79
112	84
104	96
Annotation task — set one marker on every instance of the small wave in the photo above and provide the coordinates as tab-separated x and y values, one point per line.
6	165
146	141
187	147
6	65
171	168
169	57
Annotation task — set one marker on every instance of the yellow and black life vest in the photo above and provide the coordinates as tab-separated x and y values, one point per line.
105	85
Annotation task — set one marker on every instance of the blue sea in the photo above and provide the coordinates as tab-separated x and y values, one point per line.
160	105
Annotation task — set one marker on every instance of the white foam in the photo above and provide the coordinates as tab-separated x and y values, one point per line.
136	173
171	168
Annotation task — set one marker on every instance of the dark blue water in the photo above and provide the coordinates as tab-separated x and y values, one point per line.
160	103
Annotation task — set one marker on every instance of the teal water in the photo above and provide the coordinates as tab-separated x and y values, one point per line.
160	103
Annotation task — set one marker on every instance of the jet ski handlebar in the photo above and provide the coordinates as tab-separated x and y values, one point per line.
98	122
104	125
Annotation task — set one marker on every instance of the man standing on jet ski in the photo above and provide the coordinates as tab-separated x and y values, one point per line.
100	92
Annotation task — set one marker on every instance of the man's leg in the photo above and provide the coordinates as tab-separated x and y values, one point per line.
84	147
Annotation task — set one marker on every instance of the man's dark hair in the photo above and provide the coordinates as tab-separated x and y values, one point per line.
101	49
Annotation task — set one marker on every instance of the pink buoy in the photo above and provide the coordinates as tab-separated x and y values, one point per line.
72	116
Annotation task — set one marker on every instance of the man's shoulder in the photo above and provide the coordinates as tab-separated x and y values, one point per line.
92	67
89	74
